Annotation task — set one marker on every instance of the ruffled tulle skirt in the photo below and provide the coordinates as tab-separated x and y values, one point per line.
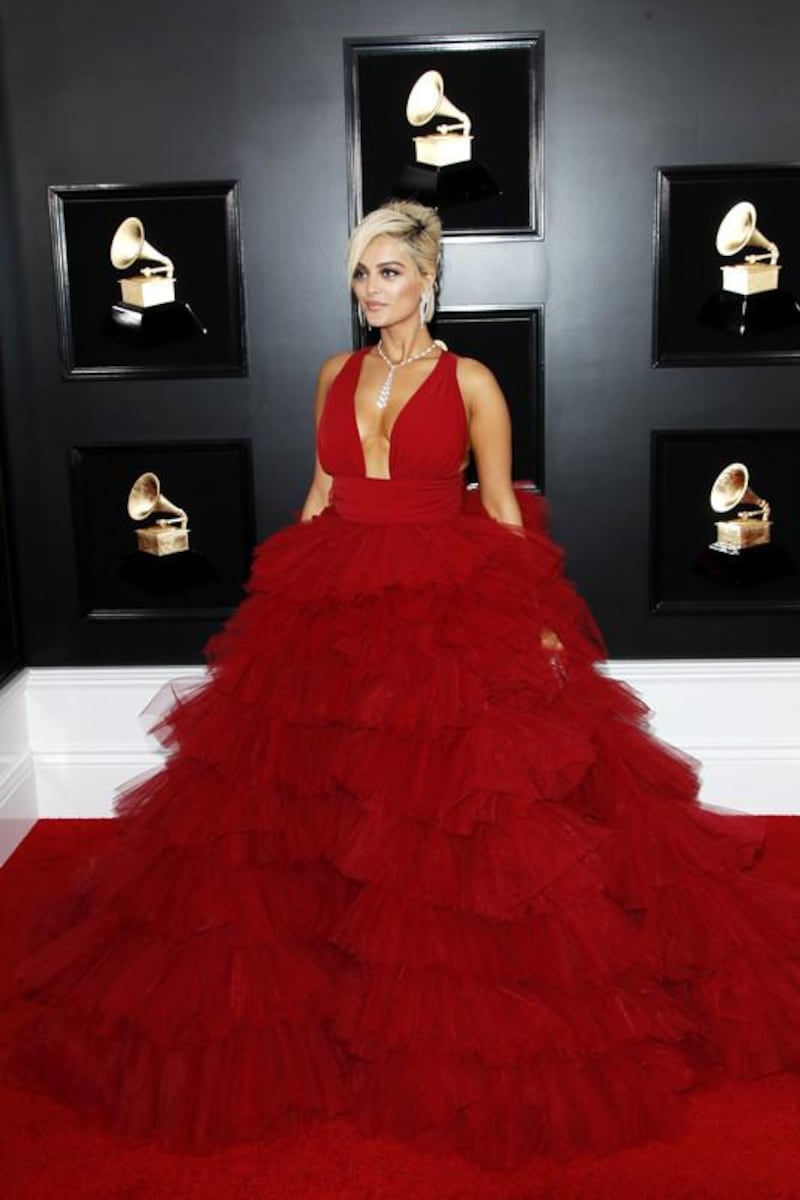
407	864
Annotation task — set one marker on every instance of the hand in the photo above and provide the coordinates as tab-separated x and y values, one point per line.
552	643
551	640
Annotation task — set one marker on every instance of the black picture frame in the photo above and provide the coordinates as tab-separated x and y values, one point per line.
686	576
197	226
695	321
499	80
212	481
509	340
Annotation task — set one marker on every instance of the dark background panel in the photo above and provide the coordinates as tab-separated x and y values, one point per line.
10	650
189	229
686	468
210	481
495	88
240	89
690	273
509	343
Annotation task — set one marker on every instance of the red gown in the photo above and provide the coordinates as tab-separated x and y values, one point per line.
397	867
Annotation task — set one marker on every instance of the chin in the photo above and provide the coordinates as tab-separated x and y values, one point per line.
387	320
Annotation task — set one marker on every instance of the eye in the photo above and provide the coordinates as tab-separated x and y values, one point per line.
389	272
359	273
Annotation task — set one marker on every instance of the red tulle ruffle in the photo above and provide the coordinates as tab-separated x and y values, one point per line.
403	864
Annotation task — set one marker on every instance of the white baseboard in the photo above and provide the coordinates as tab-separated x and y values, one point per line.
18	798
80	734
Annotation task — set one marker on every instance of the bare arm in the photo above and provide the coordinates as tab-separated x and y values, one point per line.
490	439
320	490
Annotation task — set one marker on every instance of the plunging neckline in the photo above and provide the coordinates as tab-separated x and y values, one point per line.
390	437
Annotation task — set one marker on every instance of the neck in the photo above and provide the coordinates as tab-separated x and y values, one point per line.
400	342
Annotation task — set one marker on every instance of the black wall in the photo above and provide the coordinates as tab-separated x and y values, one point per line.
252	90
10	647
9	640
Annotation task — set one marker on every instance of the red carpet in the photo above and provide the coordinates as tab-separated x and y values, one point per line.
742	1142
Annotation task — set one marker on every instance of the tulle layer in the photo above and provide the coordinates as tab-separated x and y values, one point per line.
407	863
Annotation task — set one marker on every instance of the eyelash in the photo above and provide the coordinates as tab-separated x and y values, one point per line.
387	272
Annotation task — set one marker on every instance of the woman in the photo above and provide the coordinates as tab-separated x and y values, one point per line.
414	860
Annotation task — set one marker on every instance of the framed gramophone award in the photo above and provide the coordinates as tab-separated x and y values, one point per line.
163	530
725	521
727	266
148	280
454	121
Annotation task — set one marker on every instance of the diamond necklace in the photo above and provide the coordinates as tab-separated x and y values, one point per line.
382	398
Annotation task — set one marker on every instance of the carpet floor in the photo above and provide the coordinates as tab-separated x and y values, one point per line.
742	1141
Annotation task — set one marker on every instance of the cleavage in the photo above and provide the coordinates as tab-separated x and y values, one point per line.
379	436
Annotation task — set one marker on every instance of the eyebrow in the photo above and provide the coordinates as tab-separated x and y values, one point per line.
394	262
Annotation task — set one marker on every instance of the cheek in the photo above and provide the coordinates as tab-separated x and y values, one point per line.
410	290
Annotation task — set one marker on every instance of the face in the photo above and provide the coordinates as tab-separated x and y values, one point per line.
387	284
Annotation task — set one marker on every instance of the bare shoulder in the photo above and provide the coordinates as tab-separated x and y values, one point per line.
333	365
327	373
477	383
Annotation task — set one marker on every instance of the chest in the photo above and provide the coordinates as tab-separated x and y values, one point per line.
382	393
422	432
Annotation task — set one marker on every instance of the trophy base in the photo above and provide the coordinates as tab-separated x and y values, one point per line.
155	326
754	565
147	291
748	279
442	187
735	536
161	540
742	316
443	149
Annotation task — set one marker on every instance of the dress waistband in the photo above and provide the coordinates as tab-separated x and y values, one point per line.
377	501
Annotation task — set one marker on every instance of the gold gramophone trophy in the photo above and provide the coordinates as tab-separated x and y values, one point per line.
756	272
750	300
449	143
149	311
750	527
167	535
153	285
443	172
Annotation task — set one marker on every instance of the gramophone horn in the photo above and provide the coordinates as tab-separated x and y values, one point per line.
145	498
731	487
738	229
128	245
427	100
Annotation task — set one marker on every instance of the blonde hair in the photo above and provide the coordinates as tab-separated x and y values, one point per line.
417	227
